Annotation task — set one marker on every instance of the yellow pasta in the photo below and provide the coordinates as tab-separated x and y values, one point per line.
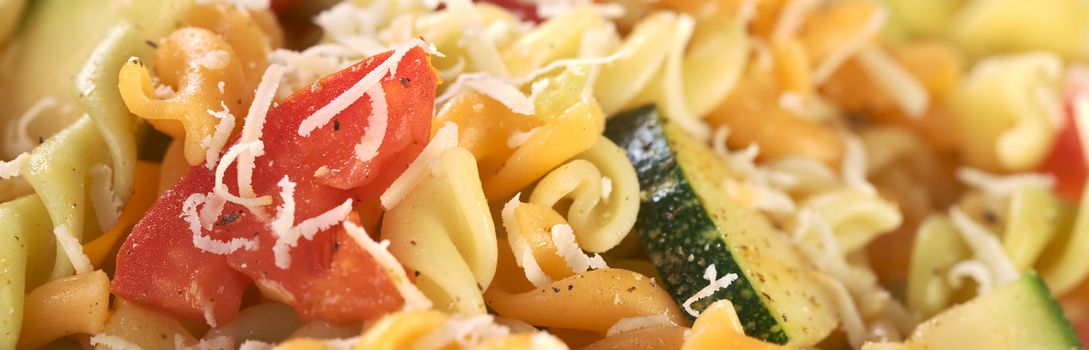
444	232
146	328
514	150
604	194
71	305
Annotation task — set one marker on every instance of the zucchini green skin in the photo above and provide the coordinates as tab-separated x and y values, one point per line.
684	231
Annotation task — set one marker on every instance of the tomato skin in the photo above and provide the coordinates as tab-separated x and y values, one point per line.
1067	161
330	278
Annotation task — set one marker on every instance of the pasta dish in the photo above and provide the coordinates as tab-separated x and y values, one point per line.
544	174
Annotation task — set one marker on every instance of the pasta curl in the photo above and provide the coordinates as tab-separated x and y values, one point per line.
443	231
604	194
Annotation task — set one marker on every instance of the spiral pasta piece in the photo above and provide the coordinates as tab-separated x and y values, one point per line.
591	301
430	329
444	232
604	194
513	150
195	60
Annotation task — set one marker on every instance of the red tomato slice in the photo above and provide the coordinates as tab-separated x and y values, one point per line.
329	278
1067	158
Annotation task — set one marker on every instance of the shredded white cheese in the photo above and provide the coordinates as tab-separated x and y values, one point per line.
854	164
906	91
715	284
326	113
414	299
986	247
523	253
215	60
606	188
446	138
282	225
545	341
791	18
466	332
836	58
222	342
106	204
210	212
1002	186
19	136
376	125
518	138
72	249
200	241
254	127
568	248
213	144
629	324
852	322
113	342
12	168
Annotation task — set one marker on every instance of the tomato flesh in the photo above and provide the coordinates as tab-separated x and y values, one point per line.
329	277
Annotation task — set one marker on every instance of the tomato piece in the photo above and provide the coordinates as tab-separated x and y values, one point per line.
1067	161
281	5
525	10
329	277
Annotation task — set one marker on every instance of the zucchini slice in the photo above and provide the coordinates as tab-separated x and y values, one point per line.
1019	315
687	223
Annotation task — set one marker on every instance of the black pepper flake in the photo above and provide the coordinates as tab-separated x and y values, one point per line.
405	81
152	44
631	290
555	290
336	125
990	217
229	218
417	273
570	286
412	242
41	140
336	247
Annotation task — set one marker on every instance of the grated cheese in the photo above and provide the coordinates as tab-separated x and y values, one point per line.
629	324
233	153
852	45
282	225
205	243
518	138
466	332
376	125
555	8
986	247
523	253
12	168
715	284
213	144
545	341
240	4
854	165
309	227
852	322
971	269
1002	186
568	248
106	204
209	213
1081	122
446	138
255	345
113	342
326	113
215	60
254	126
72	249
414	299
20	139
906	91
222	342
606	188
791	18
